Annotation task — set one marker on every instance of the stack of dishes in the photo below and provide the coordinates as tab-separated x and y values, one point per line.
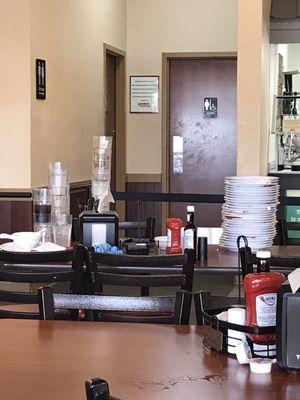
250	210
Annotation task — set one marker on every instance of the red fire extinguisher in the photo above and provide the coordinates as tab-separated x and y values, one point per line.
174	232
261	297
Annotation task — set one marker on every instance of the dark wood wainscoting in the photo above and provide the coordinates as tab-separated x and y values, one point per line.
148	208
15	211
16	205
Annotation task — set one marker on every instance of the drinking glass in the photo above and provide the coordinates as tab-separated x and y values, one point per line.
42	213
58	174
41	201
43	221
61	229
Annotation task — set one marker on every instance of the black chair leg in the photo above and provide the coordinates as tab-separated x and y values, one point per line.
145	291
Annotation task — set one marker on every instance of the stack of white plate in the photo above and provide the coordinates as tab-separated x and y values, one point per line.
250	210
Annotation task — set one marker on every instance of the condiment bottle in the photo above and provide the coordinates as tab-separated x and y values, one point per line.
190	230
261	297
174	226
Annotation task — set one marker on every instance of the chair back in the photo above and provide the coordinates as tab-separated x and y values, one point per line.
156	310
142	271
284	228
142	229
205	302
38	268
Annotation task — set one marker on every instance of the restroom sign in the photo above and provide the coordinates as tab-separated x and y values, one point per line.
210	107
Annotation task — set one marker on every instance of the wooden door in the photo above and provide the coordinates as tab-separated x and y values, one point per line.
110	111
209	144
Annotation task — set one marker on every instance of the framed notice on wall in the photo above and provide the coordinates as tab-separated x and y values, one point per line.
144	92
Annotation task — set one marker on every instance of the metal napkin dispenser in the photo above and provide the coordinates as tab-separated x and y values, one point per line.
288	329
99	227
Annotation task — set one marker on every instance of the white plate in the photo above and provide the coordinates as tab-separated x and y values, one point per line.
11	246
47	247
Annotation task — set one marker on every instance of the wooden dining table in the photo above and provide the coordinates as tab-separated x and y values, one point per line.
49	360
219	260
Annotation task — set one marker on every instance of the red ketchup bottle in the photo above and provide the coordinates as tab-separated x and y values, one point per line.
261	297
174	232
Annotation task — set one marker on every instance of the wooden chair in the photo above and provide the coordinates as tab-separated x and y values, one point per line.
37	268
283	229
139	229
158	310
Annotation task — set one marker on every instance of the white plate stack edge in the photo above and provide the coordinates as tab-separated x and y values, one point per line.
250	210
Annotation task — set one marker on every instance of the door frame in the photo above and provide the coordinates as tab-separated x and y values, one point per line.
165	107
120	56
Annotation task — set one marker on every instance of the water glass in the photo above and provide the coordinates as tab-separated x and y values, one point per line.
61	229
41	201
43	222
41	196
58	174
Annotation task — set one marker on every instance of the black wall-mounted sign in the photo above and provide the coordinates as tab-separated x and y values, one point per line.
210	107
40	74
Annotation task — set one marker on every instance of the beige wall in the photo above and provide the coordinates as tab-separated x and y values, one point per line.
253	86
15	93
70	34
158	26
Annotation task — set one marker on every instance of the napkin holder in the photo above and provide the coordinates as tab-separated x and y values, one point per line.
288	328
99	227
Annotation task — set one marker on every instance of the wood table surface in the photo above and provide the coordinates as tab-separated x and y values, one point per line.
43	360
222	260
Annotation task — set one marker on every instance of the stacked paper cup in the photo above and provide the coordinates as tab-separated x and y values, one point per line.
101	171
250	210
59	188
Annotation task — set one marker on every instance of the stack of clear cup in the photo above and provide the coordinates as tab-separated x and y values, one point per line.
58	184
59	188
101	171
42	213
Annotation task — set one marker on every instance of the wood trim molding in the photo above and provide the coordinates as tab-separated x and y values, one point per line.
80	184
120	56
141	178
113	50
15	194
208	54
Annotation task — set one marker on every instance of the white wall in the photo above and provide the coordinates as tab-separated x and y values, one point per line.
158	26
293	63
69	35
15	93
253	89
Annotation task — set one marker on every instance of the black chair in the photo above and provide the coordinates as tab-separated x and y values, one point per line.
38	268
158	310
141	271
139	229
283	229
216	304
